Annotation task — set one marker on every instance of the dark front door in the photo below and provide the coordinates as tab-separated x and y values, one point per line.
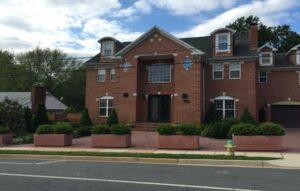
159	108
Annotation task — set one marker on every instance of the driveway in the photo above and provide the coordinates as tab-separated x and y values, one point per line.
291	140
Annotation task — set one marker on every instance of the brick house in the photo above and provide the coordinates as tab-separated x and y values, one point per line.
160	78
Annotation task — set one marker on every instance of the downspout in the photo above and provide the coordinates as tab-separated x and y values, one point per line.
203	94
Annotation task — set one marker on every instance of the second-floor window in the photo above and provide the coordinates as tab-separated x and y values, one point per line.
218	71
223	42
234	71
262	77
107	48
101	75
159	73
298	57
266	58
112	74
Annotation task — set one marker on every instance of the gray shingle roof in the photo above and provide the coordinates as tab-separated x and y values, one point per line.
24	98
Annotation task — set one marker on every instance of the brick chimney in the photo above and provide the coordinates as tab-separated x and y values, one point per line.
253	37
38	96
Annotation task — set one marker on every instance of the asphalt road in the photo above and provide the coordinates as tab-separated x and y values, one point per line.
40	175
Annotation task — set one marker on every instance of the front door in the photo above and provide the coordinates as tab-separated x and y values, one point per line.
159	108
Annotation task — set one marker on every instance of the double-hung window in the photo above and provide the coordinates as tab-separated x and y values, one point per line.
262	77
234	71
112	74
223	42
218	71
105	105
266	58
101	75
159	73
225	107
107	48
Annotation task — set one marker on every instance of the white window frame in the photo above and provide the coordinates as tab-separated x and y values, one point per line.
157	65
298	57
223	99
232	69
112	74
217	42
259	77
298	77
261	58
101	72
107	99
214	69
104	45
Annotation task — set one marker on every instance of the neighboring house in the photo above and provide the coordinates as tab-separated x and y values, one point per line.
160	78
24	99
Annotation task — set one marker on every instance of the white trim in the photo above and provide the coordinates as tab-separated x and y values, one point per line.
159	82
102	69
224	99
107	98
114	74
261	58
260	75
223	29
298	57
268	46
213	71
102	47
228	42
294	48
240	71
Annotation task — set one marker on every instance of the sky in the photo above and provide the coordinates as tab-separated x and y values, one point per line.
74	26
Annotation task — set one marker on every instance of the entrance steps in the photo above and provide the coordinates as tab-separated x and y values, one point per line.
144	127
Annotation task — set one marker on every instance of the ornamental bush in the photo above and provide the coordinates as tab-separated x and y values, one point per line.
212	115
85	118
220	129
112	118
188	129
62	128
100	129
45	129
269	128
41	116
120	129
243	129
247	118
166	129
80	130
4	130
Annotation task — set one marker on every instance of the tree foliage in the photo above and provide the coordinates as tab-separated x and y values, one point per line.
112	118
212	115
85	118
247	117
41	116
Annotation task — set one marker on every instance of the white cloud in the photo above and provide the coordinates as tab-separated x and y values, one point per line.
271	12
140	6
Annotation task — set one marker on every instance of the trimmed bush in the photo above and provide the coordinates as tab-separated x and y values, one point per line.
4	130
199	129
269	128
247	118
188	129
220	129
112	118
85	118
45	129
212	115
243	129
120	129
80	130
166	129
100	129
41	116
62	128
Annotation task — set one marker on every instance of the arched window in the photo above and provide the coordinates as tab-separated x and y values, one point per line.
225	106
105	105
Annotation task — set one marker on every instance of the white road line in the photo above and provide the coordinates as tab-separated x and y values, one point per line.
20	163
48	162
125	182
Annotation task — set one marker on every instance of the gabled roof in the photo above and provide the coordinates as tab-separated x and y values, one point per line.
166	34
294	48
268	46
24	99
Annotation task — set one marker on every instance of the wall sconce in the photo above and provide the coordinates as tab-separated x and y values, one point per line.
134	94
125	94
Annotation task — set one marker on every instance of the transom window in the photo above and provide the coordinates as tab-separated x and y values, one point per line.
105	105
107	48
218	71
112	74
263	77
159	73
101	75
223	42
225	106
266	58
234	71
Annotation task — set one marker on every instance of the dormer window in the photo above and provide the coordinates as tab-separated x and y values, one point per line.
107	48
266	58
223	42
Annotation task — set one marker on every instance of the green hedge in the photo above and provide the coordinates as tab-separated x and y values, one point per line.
45	129
243	129
183	129
4	130
166	129
117	129
219	130
62	128
100	129
269	128
248	129
80	130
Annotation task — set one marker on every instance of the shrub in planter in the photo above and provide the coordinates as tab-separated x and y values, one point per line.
243	129
85	118
6	137
4	130
212	115
247	118
269	128
112	118
220	129
187	129
80	130
166	129
62	128
100	129
120	129
45	129
41	116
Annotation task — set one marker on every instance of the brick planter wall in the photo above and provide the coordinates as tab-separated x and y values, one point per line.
52	140
178	142
258	143
111	141
6	139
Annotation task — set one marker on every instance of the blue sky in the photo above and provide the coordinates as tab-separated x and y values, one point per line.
74	26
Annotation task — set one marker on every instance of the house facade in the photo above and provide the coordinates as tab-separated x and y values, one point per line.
159	78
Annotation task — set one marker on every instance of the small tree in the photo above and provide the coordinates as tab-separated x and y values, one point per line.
28	120
112	118
40	117
212	115
85	118
262	115
247	118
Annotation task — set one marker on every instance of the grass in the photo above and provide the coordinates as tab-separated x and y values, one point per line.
137	155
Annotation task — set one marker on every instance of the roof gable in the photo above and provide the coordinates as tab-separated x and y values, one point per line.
266	45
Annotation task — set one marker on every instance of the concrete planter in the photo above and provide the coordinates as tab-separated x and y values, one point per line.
178	142
258	143
55	140
111	141
6	139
